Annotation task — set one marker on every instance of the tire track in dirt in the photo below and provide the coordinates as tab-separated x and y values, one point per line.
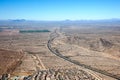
39	64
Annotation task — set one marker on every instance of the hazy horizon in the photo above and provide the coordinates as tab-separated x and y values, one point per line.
62	20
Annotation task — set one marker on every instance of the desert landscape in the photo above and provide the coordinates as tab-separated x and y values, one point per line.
60	52
98	51
59	39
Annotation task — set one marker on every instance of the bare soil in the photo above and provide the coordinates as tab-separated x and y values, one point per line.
9	60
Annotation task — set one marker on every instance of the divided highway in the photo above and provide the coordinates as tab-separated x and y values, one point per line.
56	52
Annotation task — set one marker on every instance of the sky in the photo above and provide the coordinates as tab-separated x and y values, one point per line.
59	9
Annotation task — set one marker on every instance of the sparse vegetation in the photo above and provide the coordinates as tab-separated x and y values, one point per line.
85	43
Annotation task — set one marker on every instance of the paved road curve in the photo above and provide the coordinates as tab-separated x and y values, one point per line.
56	52
54	35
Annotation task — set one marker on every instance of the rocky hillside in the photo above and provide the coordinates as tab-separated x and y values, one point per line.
95	43
57	74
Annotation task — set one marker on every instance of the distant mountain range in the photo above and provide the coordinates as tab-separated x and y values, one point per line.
67	20
17	20
36	23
